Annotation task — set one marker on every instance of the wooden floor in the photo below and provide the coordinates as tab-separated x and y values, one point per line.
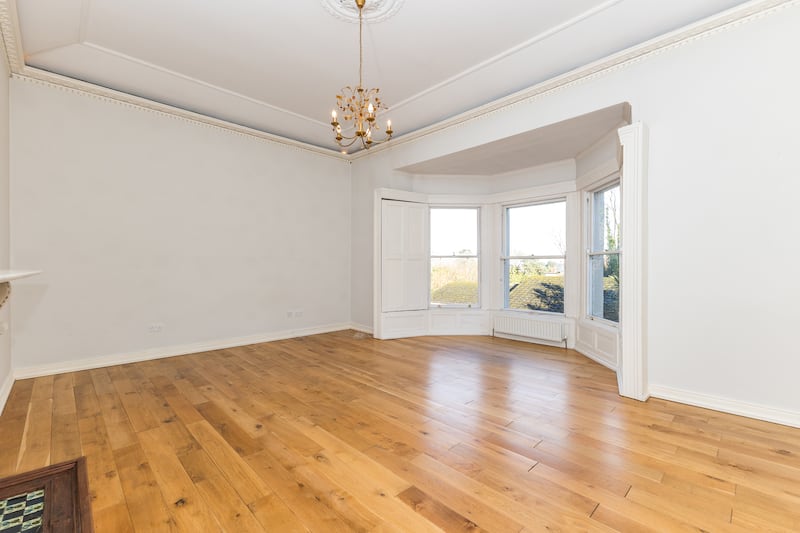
340	432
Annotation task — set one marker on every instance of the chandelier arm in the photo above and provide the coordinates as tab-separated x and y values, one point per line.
347	145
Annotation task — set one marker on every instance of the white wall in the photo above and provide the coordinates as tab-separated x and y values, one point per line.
138	218
723	240
723	232
5	350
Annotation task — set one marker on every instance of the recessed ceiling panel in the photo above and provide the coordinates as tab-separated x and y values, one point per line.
50	24
277	66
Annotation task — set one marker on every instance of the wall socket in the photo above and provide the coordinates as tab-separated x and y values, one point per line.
296	313
155	327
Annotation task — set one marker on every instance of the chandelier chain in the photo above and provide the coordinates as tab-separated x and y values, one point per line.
360	47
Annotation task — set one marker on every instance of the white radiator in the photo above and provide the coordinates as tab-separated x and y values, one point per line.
531	327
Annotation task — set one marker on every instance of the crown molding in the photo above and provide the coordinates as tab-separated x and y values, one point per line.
11	37
707	27
10	46
34	75
744	13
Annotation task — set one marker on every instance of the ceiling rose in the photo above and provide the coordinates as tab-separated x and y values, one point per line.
374	10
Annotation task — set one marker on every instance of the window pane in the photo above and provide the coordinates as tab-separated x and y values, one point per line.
454	231
604	286
536	284
537	229
454	281
605	214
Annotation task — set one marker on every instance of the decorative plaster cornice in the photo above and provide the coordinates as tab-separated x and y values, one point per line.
11	41
731	18
41	77
728	19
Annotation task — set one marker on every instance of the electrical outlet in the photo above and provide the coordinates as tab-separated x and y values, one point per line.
289	314
156	327
298	313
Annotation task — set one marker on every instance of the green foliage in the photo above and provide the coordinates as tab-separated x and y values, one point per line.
611	264
518	272
611	268
456	292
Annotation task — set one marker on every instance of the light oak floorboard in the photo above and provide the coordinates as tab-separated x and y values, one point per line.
341	432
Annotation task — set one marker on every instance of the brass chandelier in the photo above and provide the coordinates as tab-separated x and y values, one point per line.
359	106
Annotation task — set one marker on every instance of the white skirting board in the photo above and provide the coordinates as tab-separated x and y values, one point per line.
5	390
362	328
587	352
726	405
169	351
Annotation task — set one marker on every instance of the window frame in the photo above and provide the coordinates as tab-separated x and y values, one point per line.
505	258
477	256
589	226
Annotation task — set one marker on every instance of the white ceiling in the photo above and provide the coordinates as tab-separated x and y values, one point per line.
276	66
554	142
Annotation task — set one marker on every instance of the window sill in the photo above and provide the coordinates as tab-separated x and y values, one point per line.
528	312
600	323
